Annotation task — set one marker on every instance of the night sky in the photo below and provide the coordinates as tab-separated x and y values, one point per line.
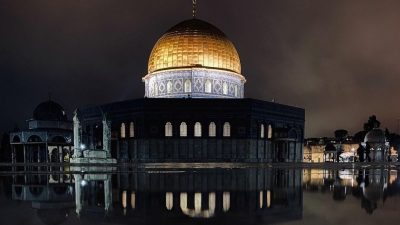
337	59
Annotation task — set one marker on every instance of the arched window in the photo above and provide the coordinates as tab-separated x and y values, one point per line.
227	130
183	130
197	129
123	133
236	91
212	130
168	129
188	86
155	89
262	131
169	200
225	88
131	129
208	86
169	87
269	136
226	201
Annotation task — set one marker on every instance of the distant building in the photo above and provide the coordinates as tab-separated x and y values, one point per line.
376	146
314	153
330	150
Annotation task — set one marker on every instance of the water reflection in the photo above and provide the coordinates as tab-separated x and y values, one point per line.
154	197
371	186
214	196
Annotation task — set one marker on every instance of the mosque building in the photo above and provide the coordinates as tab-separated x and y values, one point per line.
194	109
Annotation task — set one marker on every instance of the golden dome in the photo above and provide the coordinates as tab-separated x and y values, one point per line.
194	43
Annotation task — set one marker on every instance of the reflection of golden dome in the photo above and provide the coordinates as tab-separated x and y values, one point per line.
194	43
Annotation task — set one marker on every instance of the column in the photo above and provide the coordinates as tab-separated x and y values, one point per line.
77	136
13	157
47	153
91	137
107	194
24	149
60	153
107	136
38	153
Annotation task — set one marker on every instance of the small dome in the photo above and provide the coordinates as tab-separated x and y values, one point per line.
375	136
49	110
194	43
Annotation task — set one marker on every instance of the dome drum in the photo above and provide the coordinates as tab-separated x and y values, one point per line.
194	82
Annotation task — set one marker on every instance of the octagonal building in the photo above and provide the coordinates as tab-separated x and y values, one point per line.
194	109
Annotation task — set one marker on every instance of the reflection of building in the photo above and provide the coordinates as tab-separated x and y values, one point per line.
48	138
93	191
372	187
194	109
248	196
51	196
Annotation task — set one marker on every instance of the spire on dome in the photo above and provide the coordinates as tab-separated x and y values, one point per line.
194	8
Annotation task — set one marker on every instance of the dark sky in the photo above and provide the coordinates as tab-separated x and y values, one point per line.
337	59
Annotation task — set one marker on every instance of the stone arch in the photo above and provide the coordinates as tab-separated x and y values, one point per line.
34	138
36	191
16	139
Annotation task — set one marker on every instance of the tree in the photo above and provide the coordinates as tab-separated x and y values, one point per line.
372	123
341	134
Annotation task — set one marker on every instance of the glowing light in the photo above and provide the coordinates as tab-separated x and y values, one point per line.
84	183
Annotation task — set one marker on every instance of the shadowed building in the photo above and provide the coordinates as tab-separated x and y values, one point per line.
47	139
